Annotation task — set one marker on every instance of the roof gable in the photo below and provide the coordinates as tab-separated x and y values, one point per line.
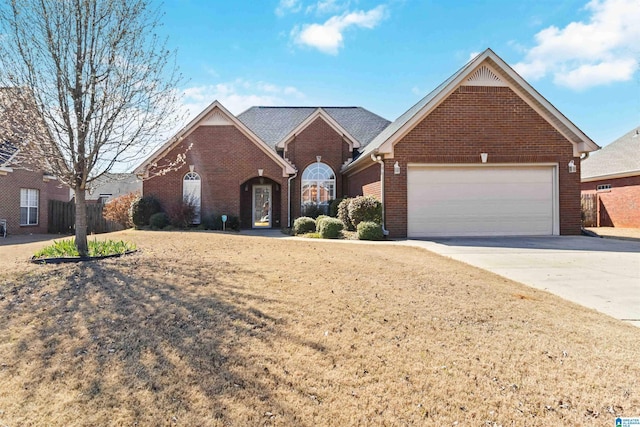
616	160
215	115
486	69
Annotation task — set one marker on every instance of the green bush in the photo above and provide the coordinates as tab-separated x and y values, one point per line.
343	213
330	228
365	208
311	210
333	207
368	230
142	209
319	221
304	225
159	220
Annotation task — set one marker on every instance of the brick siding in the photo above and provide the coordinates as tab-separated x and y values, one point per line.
317	139
473	120
619	206
227	162
10	185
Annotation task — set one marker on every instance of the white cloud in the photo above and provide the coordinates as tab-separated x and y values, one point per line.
237	96
472	55
327	6
288	6
585	54
328	37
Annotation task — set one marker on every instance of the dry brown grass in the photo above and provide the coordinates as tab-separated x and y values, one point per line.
218	329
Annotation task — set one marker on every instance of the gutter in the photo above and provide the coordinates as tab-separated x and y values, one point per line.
289	199
378	159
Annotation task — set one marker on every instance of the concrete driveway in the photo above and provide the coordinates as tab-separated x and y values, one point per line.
603	274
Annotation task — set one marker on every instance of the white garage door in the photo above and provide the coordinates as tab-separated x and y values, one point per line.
480	201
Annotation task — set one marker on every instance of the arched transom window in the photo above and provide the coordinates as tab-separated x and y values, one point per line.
318	184
191	190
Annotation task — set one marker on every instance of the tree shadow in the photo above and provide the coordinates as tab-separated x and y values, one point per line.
173	344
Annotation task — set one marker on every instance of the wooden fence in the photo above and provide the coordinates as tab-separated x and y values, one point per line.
62	218
589	203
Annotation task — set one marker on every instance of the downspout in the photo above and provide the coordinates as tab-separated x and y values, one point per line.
289	199
378	159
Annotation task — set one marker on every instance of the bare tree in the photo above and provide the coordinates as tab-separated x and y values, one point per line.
103	82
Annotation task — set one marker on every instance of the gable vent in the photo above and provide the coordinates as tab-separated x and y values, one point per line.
216	118
483	76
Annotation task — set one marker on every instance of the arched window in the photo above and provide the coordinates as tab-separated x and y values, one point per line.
318	185
191	193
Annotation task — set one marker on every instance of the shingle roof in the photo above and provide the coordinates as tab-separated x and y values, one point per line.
620	157
272	124
7	150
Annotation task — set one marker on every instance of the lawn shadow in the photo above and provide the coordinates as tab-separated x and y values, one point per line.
150	348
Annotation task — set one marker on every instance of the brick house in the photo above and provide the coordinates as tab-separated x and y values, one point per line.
613	175
25	191
483	154
25	194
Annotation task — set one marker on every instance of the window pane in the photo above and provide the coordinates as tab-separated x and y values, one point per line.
33	216
309	192
23	216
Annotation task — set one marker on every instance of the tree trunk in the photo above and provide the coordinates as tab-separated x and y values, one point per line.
81	223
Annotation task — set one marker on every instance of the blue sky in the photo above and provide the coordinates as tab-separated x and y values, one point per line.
385	55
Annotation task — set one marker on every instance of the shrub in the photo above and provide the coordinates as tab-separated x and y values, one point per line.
333	207
117	210
311	210
343	213
142	209
331	228
319	221
368	230
365	208
209	222
304	225
182	214
158	221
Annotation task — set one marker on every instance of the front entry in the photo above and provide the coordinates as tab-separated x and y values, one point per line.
261	206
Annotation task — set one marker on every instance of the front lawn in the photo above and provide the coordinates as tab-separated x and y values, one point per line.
201	328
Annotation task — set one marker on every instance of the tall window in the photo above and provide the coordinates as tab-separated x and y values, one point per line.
191	193
318	185
29	206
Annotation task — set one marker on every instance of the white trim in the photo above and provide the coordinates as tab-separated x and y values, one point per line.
319	113
4	170
555	178
629	174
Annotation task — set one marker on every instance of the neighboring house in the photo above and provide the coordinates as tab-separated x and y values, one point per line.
483	154
613	174
25	194
112	185
25	191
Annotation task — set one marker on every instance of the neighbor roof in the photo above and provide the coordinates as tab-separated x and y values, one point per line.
273	124
618	159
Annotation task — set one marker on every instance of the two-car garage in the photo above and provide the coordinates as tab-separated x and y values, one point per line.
482	200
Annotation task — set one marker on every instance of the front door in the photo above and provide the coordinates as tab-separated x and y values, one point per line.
262	206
